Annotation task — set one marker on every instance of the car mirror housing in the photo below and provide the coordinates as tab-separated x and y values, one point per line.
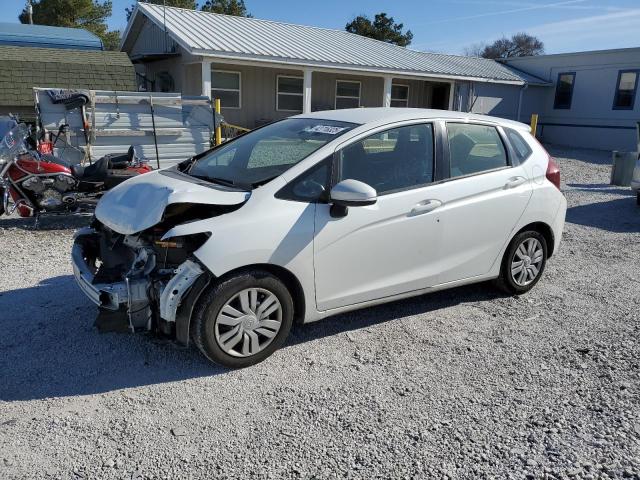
353	193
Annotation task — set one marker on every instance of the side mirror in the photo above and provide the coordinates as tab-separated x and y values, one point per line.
351	193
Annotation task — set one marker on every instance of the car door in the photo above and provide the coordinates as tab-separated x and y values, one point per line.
387	248
485	196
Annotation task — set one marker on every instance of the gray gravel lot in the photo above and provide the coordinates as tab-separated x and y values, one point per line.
458	384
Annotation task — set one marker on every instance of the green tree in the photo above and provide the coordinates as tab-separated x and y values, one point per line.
382	28
519	45
227	7
88	14
190	4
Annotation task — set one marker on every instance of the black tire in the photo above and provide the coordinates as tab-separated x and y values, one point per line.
506	280
203	327
1	201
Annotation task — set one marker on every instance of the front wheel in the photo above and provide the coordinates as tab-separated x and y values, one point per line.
523	263
243	319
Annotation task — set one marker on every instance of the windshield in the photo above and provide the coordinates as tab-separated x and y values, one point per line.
259	156
13	142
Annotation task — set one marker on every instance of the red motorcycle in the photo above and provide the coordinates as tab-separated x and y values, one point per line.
39	183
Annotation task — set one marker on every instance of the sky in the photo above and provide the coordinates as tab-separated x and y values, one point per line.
448	26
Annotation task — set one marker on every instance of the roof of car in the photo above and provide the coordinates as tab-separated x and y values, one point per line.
383	115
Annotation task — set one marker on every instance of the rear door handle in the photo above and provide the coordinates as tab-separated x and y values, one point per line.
426	207
514	182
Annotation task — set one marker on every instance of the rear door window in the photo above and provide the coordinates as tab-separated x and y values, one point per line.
474	148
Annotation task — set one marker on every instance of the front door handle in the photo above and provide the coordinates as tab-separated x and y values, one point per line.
514	182
425	207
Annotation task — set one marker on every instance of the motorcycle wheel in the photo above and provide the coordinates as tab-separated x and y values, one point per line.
1	201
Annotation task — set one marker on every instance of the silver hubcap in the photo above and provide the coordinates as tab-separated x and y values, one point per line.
526	262
248	322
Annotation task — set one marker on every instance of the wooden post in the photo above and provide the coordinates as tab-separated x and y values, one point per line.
218	129
534	123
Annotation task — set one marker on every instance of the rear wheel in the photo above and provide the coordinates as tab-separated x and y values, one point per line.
243	319
523	263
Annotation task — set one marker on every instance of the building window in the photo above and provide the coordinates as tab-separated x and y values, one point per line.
399	95
289	94
226	86
347	94
626	90
564	90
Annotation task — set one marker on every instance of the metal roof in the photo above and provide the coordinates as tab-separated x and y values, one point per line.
25	35
240	38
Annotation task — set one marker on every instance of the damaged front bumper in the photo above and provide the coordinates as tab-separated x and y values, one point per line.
105	295
111	296
137	295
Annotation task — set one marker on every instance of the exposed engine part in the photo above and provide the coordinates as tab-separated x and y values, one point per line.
64	183
34	184
108	285
49	199
50	191
138	305
139	278
70	198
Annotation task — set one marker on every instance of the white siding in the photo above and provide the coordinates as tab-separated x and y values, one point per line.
591	122
183	125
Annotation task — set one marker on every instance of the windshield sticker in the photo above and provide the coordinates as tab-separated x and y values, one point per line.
328	129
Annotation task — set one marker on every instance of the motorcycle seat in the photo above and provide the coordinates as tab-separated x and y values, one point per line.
96	172
120	160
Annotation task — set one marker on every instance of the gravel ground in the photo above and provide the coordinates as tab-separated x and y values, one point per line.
458	384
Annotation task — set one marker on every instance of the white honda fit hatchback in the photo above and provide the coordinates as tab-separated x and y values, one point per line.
319	214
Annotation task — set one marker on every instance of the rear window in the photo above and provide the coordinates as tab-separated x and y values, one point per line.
519	144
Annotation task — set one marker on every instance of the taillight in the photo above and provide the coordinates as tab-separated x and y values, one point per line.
553	172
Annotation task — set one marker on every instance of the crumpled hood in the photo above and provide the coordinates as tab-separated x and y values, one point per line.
139	203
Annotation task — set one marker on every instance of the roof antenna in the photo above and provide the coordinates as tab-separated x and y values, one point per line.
164	22
30	12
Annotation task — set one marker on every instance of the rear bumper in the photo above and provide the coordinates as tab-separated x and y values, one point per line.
558	224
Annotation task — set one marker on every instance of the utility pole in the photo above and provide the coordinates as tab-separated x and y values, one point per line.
30	11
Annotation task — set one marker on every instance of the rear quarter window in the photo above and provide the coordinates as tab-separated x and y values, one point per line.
520	146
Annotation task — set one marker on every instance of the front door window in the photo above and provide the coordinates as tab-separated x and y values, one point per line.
392	160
